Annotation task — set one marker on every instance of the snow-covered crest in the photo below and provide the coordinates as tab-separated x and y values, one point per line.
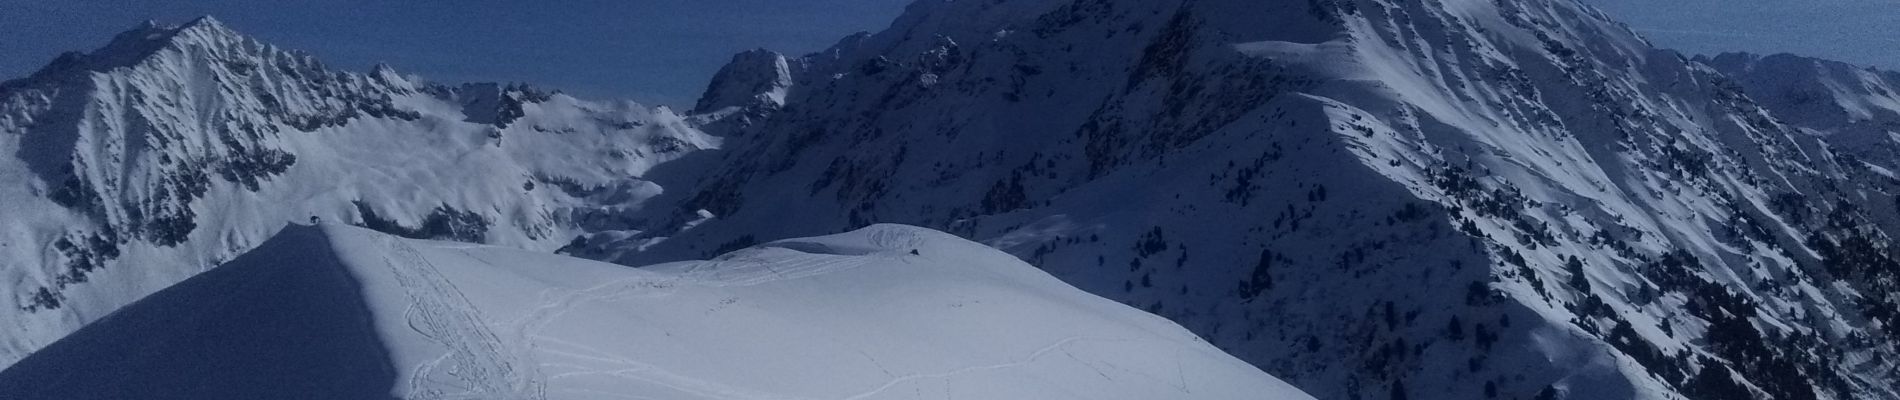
884	312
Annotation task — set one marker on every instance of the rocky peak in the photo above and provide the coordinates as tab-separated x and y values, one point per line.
139	44
492	103
824	61
754	78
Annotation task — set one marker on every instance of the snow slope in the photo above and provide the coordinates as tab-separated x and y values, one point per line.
883	312
183	146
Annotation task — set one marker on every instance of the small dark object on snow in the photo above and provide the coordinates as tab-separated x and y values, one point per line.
314	220
913	252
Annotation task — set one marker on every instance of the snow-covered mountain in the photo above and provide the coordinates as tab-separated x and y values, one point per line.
884	312
1856	108
180	147
1367	198
1438	199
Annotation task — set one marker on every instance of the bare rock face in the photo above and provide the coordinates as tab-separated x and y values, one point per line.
756	78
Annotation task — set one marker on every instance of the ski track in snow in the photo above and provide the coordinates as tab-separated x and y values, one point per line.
635	370
487	365
530	328
529	331
480	363
946	375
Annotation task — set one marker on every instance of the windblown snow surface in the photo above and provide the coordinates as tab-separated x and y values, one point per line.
884	312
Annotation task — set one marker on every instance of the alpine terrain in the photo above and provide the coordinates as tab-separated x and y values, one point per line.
1370	199
174	149
884	312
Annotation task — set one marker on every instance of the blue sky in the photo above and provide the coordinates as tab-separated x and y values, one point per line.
1865	32
655	51
663	51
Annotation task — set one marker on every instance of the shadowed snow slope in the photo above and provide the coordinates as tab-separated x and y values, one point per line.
886	311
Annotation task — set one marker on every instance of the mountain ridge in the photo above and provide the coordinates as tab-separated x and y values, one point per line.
347	312
207	140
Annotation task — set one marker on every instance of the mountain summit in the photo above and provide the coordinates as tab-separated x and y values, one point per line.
136	46
173	149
